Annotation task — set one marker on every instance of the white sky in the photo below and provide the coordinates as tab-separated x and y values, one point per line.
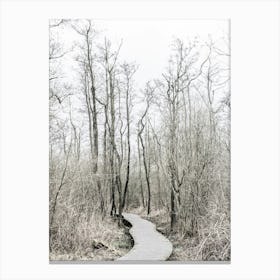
148	42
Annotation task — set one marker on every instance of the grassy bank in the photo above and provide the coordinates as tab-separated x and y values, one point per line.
211	244
96	240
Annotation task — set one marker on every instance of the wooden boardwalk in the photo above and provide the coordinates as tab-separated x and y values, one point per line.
149	244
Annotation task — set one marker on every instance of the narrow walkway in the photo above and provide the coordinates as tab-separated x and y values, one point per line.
149	244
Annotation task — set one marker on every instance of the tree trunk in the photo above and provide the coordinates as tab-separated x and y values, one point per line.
128	149
140	173
146	174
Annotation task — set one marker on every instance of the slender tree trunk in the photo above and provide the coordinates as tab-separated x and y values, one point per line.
128	149
158	185
140	173
146	174
173	211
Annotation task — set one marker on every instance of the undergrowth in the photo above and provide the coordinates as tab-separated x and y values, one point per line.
212	242
97	239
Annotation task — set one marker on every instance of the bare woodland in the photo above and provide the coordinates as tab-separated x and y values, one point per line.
161	150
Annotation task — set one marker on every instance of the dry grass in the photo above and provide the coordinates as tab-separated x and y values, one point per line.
211	244
77	240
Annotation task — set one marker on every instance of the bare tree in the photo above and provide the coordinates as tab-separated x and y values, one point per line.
87	60
149	90
109	62
128	71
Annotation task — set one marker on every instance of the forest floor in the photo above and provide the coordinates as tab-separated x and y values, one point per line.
99	240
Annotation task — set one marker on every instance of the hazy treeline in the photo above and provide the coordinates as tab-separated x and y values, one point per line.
115	146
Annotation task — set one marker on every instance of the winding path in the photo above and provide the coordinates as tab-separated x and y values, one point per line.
149	244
